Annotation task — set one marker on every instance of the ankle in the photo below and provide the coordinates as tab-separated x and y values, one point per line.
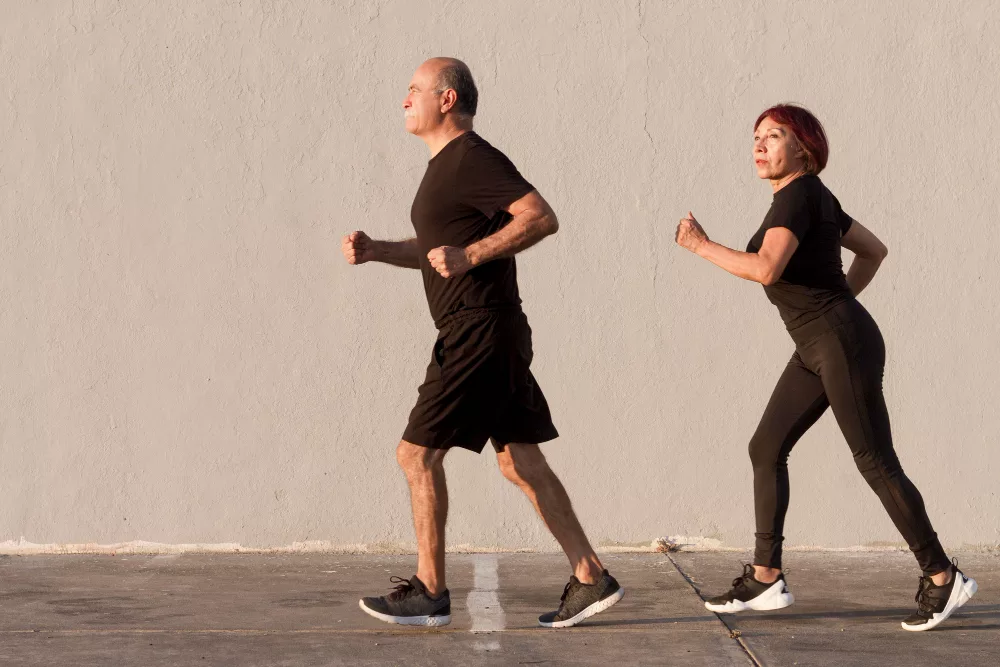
434	586
942	578
766	575
589	571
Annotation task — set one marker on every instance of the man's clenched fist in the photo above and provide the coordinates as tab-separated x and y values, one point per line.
358	248
449	261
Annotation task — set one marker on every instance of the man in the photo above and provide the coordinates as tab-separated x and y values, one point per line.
472	213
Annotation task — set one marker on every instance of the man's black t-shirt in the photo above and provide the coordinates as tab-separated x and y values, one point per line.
463	198
814	280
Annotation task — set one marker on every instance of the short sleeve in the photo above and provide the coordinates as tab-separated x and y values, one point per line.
489	181
844	221
791	211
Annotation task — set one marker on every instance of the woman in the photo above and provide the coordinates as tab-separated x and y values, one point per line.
838	362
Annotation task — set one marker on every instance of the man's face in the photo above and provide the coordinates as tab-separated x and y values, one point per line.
422	106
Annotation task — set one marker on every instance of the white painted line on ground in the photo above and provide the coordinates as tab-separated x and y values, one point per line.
161	560
483	602
486	647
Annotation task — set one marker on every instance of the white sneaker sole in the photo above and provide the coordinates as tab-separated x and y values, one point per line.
595	608
961	593
425	621
775	597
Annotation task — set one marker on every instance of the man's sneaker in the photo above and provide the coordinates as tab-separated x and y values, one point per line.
580	601
936	603
748	593
409	604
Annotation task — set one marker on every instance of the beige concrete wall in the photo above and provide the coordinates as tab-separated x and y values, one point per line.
187	358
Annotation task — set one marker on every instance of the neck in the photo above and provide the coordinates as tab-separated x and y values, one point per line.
442	136
778	183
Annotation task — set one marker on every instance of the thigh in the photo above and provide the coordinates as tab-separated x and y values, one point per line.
522	414
797	402
453	407
852	364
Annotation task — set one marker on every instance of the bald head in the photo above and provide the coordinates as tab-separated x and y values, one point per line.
453	74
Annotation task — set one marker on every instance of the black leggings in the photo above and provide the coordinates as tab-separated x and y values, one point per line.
839	361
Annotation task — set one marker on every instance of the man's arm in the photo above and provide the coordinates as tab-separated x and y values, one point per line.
533	220
358	248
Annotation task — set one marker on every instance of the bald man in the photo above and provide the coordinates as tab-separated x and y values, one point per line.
472	213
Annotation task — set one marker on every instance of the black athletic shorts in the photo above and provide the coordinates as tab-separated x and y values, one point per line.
479	387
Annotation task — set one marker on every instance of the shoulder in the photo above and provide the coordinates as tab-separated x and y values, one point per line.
803	187
474	147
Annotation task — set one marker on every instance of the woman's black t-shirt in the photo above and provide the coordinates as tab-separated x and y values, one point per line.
814	280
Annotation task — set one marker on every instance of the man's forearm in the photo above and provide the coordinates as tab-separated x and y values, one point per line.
404	253
522	232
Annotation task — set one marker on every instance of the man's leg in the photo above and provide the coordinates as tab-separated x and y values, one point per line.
424	468
525	466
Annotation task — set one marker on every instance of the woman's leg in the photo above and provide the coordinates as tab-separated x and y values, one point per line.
851	363
798	400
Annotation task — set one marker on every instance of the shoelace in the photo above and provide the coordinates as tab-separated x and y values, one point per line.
403	588
921	598
565	593
740	581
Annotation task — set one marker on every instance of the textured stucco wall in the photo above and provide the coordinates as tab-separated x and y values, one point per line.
188	359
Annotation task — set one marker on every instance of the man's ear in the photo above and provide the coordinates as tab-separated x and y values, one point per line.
448	100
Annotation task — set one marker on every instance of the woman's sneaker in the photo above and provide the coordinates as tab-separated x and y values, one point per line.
748	593
409	604
580	601
936	603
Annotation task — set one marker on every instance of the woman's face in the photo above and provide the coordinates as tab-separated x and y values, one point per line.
776	151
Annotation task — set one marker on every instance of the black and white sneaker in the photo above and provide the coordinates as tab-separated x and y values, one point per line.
748	593
580	601
409	604
936	603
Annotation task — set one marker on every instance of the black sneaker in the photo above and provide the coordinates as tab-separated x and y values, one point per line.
409	604
936	603
748	593
580	601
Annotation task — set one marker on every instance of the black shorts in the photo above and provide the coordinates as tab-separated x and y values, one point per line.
479	387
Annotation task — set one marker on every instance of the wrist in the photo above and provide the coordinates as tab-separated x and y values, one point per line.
702	248
472	256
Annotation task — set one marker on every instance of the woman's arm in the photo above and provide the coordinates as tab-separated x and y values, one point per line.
868	255
764	266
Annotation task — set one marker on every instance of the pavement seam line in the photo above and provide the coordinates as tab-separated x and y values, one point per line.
732	630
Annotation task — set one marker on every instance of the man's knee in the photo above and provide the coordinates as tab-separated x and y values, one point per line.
524	465
414	459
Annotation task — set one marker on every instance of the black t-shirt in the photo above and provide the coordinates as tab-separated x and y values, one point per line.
463	198
814	280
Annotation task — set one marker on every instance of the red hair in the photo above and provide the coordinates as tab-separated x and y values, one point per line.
807	130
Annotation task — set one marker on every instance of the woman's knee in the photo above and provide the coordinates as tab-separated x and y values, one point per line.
765	453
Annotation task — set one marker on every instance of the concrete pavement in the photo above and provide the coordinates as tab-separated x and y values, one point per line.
302	610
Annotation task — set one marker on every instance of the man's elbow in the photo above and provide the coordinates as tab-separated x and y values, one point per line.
545	224
552	224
